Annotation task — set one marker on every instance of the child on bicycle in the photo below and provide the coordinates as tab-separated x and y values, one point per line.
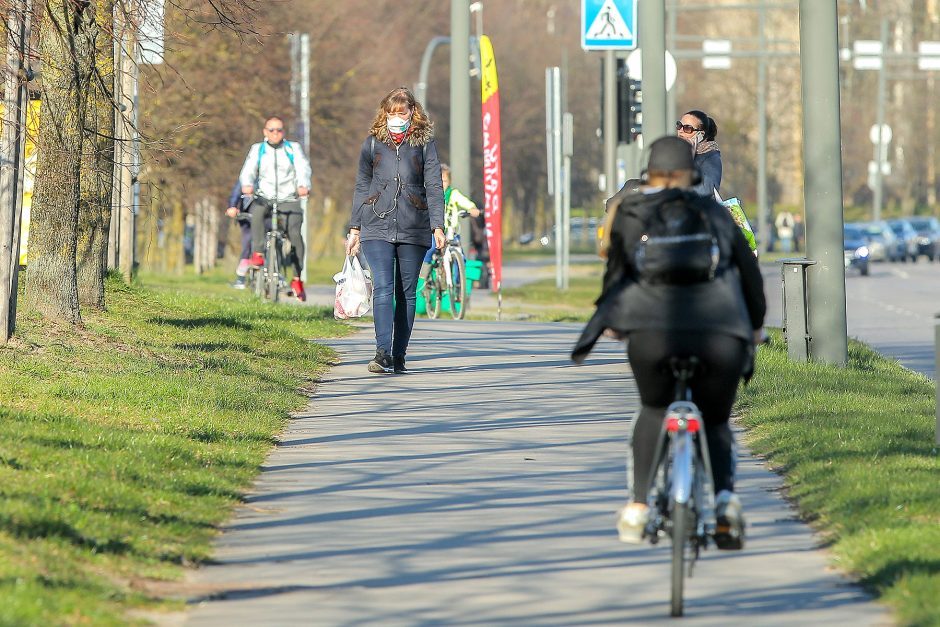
717	319
455	204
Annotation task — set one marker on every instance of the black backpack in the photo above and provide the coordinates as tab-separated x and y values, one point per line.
678	246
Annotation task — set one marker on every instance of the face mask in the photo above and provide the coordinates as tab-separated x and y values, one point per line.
398	125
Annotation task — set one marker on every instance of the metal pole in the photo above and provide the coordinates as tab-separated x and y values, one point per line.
567	141
822	174
671	106
610	122
305	138
556	174
25	37
114	233
763	217
421	87
128	80
879	156
460	99
652	32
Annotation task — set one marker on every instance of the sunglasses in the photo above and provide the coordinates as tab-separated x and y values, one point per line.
274	130
686	128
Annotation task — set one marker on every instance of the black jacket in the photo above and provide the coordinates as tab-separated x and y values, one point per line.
731	304
399	195
709	165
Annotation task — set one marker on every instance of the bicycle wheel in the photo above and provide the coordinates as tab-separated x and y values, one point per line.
272	275
258	281
435	293
681	524
458	286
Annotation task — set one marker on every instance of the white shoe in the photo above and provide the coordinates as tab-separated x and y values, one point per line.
631	522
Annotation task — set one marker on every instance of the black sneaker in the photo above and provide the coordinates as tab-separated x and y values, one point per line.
398	364
729	531
381	363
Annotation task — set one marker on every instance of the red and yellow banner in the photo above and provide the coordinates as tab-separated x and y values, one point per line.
492	160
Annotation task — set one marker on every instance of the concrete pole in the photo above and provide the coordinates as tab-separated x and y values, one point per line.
822	175
610	122
556	174
460	100
114	234
127	218
460	94
763	211
879	150
652	32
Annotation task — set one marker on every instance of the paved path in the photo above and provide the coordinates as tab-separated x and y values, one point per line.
481	490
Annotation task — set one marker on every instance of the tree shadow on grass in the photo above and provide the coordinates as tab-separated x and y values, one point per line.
207	321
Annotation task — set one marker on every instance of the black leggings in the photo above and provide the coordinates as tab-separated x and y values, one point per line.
721	362
290	219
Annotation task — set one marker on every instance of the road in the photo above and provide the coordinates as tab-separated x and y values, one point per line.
480	490
892	310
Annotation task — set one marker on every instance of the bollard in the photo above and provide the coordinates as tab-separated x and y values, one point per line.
936	372
795	311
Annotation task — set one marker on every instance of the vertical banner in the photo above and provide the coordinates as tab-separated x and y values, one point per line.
492	160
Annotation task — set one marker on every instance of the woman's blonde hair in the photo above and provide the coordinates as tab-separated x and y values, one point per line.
399	98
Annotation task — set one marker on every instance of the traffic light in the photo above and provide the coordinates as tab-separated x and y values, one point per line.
629	105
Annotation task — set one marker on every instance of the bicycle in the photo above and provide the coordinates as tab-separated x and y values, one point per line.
269	279
681	495
447	275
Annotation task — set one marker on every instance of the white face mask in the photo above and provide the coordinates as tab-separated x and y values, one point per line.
397	124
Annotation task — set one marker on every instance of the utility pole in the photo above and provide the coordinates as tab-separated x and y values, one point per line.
460	99
12	143
763	217
652	32
128	211
880	147
822	174
610	122
300	98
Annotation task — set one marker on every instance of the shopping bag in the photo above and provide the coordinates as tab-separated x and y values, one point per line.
353	290
733	205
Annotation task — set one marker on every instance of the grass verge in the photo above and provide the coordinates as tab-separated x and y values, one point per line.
125	444
856	445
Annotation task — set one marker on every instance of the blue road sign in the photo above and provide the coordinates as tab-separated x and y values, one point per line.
608	24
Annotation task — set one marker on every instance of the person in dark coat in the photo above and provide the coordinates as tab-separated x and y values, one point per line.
716	321
700	131
398	201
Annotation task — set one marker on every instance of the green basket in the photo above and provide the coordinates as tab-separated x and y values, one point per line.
474	269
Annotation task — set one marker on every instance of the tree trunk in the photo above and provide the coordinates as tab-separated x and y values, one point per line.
97	172
51	285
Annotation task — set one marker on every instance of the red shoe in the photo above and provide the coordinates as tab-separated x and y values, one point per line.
257	260
297	287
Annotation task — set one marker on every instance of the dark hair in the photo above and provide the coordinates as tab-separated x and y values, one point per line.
274	117
708	124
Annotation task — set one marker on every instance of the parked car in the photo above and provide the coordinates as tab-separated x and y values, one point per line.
928	236
883	244
906	233
856	249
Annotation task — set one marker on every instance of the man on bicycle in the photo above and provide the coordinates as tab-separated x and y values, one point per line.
276	171
714	313
455	203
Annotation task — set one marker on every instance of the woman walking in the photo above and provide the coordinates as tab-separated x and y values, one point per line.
700	131
399	199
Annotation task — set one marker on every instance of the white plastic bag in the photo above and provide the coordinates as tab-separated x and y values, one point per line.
353	290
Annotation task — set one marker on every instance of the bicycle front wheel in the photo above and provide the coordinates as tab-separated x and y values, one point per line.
457	290
435	293
257	276
272	273
681	524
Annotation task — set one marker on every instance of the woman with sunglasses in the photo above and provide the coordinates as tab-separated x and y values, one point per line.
700	131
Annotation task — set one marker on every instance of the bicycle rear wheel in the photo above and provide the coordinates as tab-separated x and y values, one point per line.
681	525
458	286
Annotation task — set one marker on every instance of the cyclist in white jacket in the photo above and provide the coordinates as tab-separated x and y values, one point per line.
277	171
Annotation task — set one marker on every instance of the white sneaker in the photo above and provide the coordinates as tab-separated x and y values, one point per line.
631	522
729	529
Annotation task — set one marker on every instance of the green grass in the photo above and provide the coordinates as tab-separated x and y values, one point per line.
856	445
125	445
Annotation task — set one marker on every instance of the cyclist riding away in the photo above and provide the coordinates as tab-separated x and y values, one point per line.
276	171
674	293
454	203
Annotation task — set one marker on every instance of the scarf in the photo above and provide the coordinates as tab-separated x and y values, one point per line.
706	146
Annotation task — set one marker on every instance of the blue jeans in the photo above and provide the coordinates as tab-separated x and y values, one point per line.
395	269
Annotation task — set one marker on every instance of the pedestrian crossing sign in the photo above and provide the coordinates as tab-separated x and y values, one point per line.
608	24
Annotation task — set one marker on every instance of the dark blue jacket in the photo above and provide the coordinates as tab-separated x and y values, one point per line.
709	164
399	195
